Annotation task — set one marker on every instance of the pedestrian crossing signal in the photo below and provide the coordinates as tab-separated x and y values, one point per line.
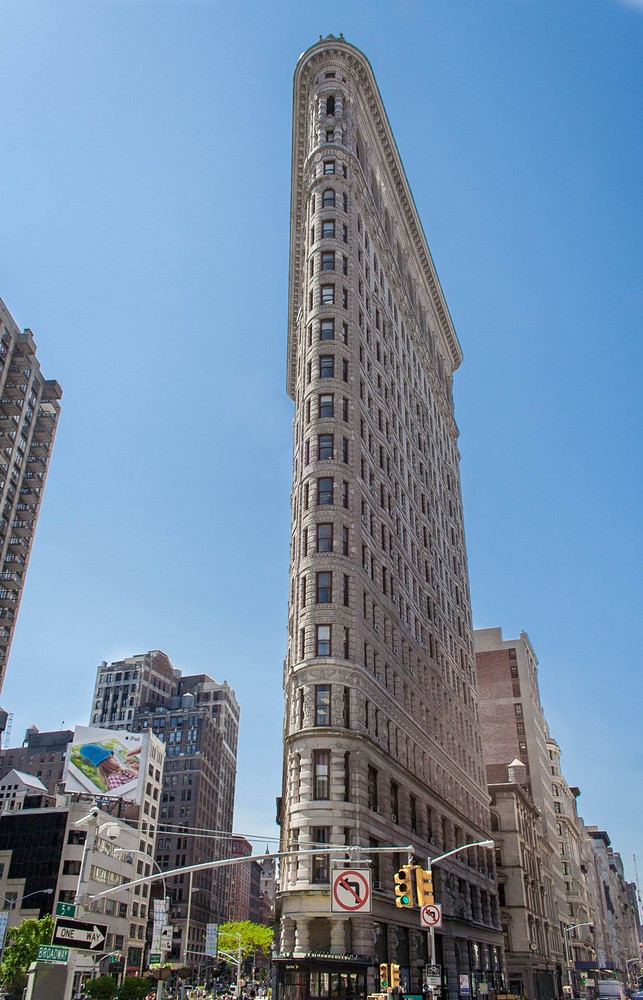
403	891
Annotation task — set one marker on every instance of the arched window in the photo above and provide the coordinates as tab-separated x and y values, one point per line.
328	198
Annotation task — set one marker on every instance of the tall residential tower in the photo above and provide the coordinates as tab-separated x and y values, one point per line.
382	739
29	410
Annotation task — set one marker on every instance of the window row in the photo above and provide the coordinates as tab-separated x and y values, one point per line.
326	407
327	297
323	642
320	539
326	449
326	368
327	230
323	589
323	492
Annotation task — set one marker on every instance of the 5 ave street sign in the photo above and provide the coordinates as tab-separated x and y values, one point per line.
65	909
75	934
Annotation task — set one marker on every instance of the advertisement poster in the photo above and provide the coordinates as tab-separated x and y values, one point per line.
106	762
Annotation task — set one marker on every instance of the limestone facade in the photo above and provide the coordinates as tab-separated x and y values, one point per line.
382	744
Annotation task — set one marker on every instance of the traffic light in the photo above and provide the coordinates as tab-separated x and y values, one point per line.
424	886
383	977
403	890
395	977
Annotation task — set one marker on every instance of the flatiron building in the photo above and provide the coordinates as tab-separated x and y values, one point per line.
382	743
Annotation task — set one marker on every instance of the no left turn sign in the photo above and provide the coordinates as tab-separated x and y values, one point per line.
350	890
431	915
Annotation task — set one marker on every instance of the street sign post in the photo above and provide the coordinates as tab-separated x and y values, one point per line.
155	957
65	909
80	935
52	953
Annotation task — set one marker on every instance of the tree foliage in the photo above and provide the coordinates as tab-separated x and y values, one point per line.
101	988
133	988
21	952
254	937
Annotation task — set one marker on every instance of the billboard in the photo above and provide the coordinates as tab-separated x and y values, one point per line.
106	762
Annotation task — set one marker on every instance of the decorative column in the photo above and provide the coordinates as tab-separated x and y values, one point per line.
302	936
338	937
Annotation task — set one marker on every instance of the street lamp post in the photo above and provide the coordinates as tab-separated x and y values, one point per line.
429	865
566	931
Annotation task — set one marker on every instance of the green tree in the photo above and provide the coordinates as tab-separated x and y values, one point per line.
133	988
251	937
22	950
101	988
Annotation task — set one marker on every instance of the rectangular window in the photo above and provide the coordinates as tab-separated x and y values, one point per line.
320	835
345	494
324	587
327	295
344	265
328	229
325	447
321	774
518	710
345	370
414	814
328	260
304	542
345	409
346	708
322	646
347	643
345	541
325	491
327	329
395	802
326	406
346	590
329	166
345	298
328	198
373	801
326	365
322	705
324	538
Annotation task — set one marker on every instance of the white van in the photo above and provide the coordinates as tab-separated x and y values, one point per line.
610	989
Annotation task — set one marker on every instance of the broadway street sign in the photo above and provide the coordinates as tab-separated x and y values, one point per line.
75	934
52	953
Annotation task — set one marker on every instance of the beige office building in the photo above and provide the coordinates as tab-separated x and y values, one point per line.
382	740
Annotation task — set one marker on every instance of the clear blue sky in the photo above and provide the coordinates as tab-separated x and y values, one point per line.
144	185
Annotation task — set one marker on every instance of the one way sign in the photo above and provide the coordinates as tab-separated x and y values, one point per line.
75	934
